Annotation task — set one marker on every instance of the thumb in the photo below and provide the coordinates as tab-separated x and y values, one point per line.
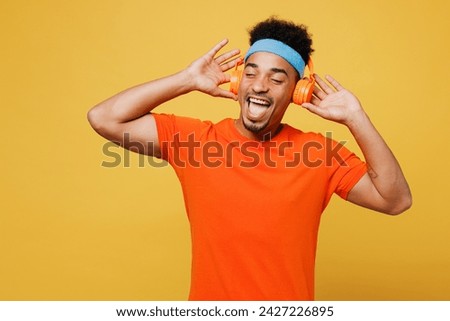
225	94
312	108
315	109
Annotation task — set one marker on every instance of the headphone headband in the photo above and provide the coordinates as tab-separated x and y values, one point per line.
281	49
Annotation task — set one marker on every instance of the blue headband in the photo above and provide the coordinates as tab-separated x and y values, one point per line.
278	48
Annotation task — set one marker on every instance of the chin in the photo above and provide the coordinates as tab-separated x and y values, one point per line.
255	127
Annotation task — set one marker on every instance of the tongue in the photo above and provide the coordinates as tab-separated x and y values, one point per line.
255	110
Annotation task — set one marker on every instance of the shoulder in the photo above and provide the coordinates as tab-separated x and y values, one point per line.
171	119
318	145
294	134
172	124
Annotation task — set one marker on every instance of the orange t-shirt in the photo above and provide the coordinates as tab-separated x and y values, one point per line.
254	207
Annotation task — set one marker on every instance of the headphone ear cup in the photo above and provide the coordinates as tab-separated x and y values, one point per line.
303	91
235	79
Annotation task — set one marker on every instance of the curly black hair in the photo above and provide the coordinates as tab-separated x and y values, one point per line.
294	35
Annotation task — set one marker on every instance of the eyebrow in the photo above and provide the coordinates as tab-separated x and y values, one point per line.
274	70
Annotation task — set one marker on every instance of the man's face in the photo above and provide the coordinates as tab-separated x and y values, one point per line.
265	92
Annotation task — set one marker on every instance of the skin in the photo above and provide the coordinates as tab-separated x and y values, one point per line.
384	187
268	77
271	79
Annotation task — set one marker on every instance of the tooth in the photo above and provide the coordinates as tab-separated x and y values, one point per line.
259	101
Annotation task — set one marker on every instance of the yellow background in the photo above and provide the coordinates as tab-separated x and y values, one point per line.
71	229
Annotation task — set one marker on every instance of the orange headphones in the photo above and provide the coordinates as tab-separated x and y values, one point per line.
303	89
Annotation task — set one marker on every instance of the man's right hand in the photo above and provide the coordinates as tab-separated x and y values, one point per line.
128	113
208	72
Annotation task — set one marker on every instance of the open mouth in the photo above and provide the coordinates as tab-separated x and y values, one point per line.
257	107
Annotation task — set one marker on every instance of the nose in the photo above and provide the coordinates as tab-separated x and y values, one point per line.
260	85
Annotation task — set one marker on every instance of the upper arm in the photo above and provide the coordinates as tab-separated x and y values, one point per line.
139	135
365	194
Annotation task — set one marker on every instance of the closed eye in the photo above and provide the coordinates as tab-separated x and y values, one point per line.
277	81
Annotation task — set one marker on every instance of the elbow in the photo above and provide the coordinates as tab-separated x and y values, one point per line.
92	117
95	119
400	206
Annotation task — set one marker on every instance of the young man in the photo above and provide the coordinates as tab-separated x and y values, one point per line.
255	188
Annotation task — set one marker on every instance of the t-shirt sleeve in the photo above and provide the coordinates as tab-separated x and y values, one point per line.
345	168
173	130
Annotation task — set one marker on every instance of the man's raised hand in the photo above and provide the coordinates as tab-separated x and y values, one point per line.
333	102
209	72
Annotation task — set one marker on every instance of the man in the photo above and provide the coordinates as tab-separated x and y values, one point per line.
255	188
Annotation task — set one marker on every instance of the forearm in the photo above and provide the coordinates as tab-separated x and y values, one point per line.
384	188
126	114
383	168
137	101
204	74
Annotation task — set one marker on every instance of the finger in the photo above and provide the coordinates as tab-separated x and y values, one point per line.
319	93
310	106
323	85
227	55
231	64
226	79
225	94
334	82
214	50
315	101
314	109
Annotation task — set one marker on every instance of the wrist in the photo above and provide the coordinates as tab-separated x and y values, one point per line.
186	81
357	121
